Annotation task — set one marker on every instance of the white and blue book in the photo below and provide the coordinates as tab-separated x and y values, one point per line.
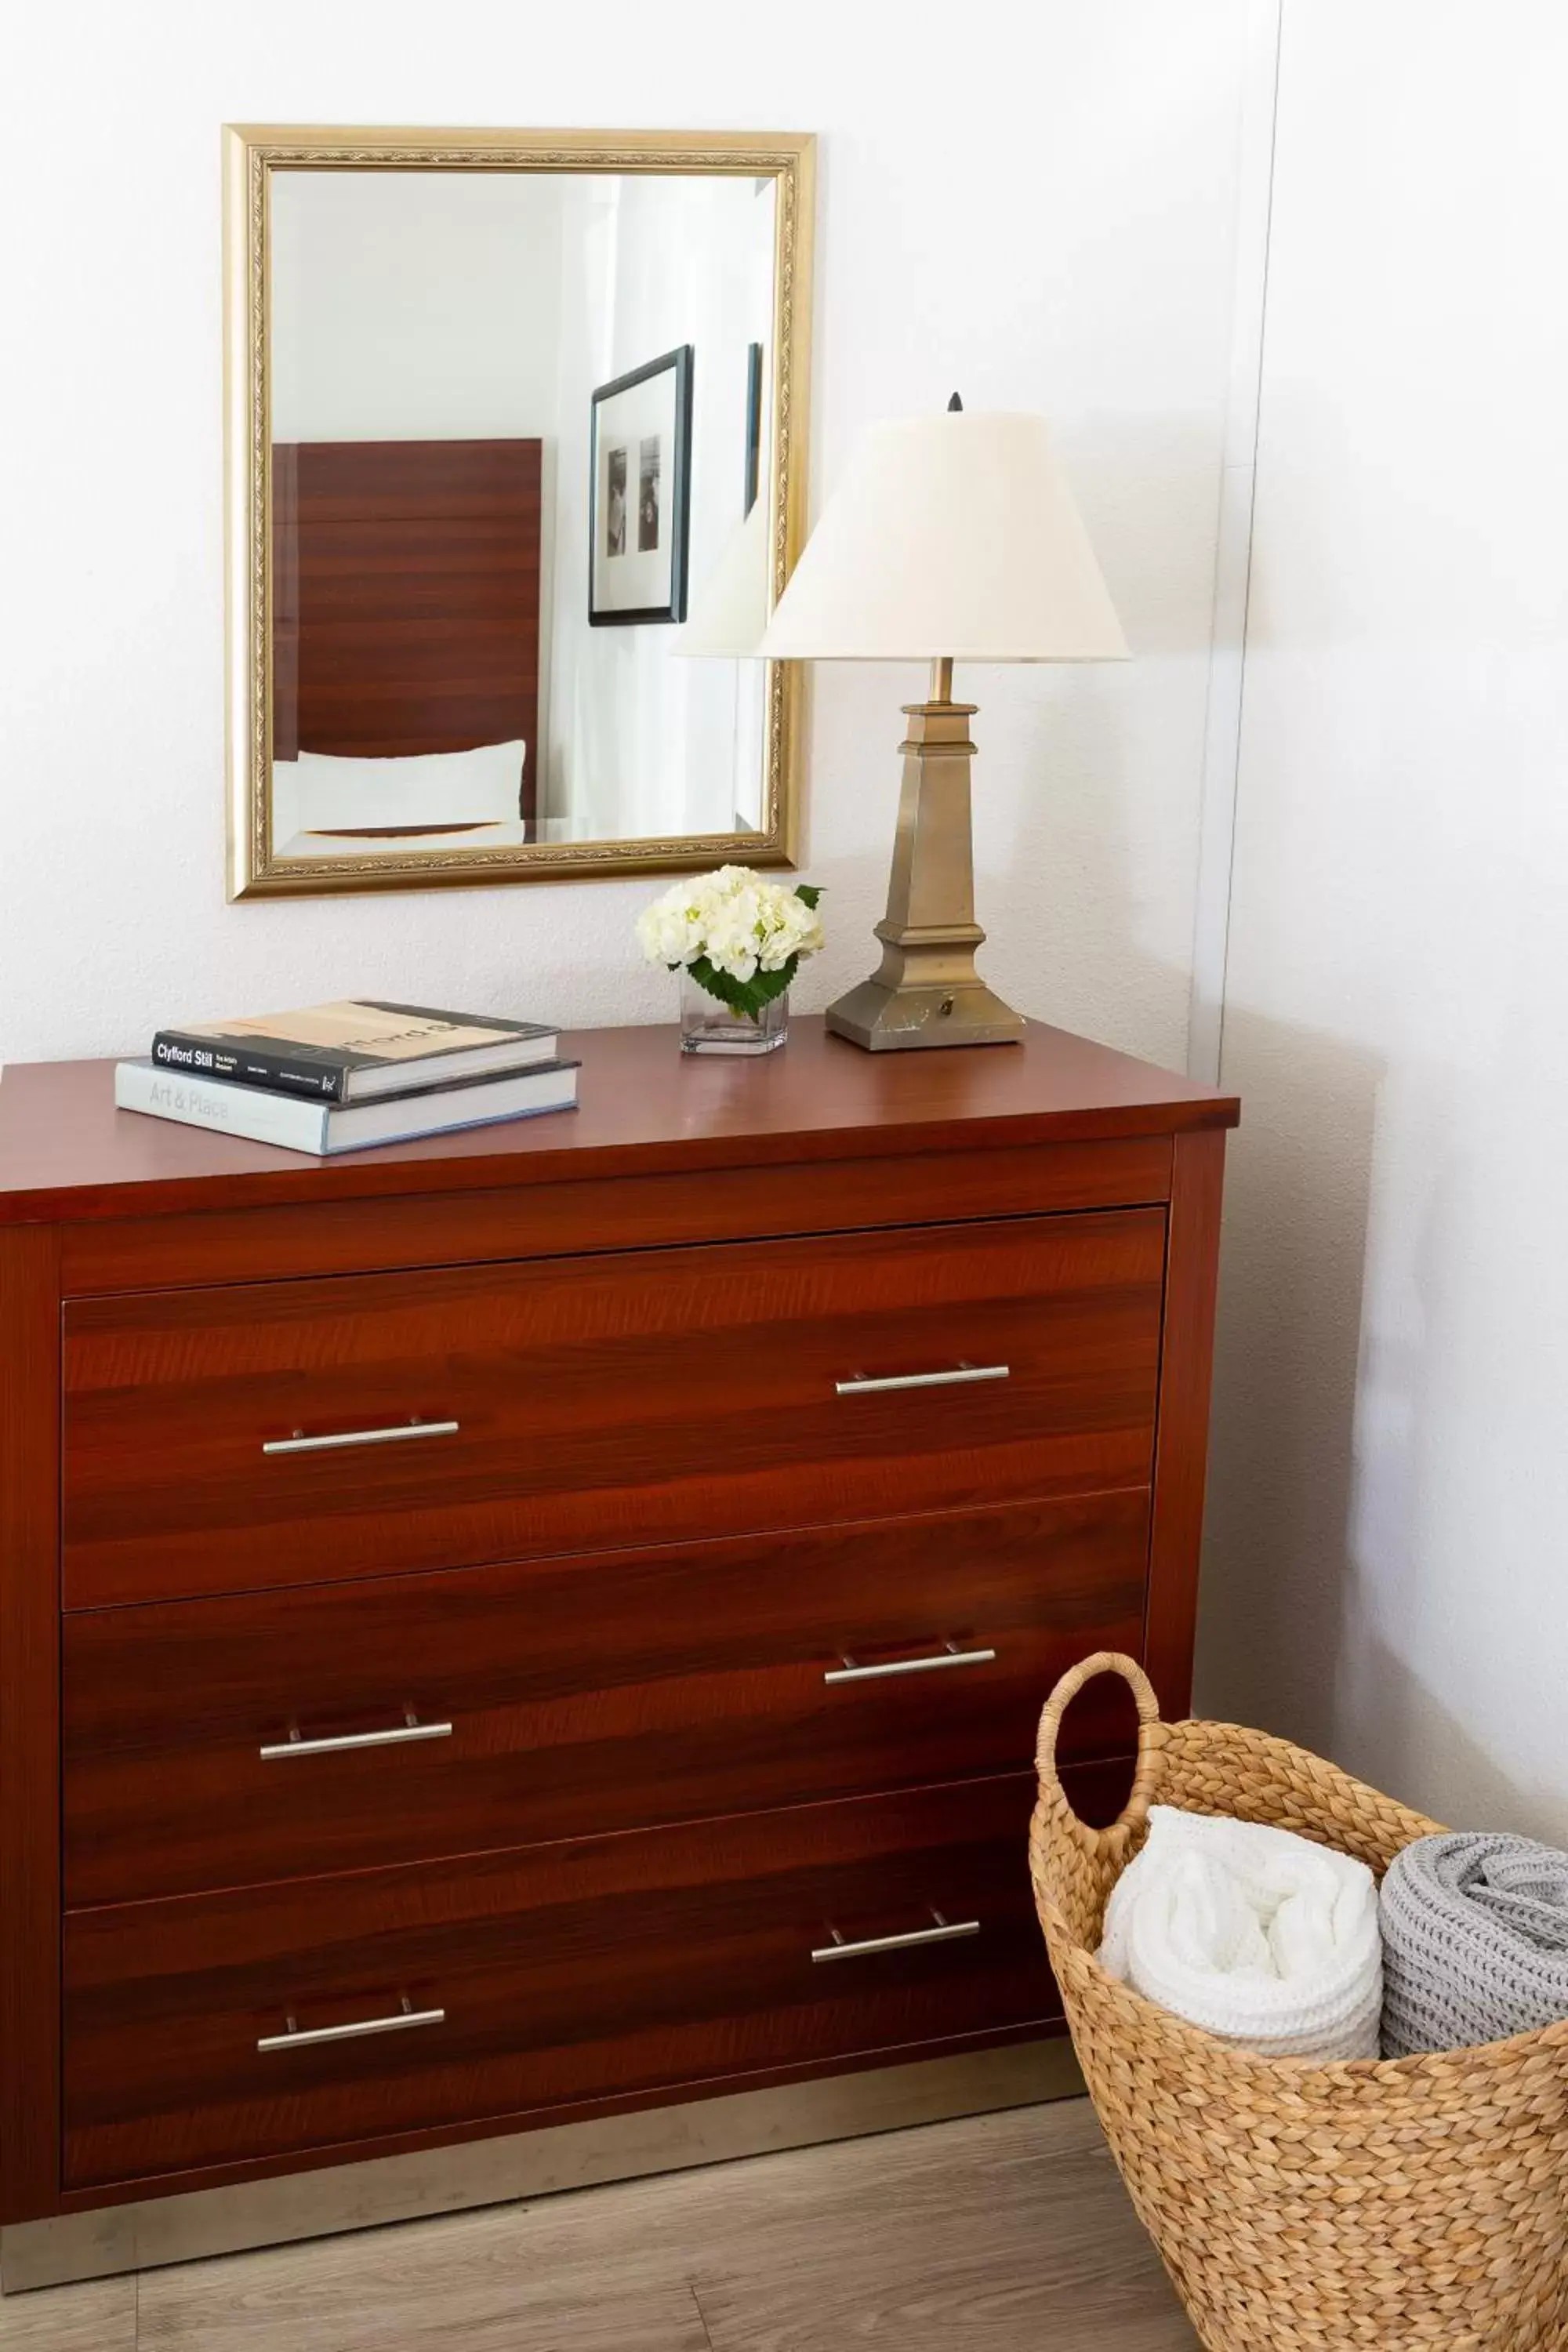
297	1124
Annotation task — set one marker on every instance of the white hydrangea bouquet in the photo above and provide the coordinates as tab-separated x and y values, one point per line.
740	938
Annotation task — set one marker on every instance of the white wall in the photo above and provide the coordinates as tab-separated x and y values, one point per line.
411	306
644	740
1389	1515
1034	205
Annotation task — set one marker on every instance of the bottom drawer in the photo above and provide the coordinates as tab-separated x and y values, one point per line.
520	1981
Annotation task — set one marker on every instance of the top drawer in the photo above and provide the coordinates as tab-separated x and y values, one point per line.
288	1433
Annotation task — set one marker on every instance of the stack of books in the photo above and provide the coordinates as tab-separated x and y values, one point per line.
336	1078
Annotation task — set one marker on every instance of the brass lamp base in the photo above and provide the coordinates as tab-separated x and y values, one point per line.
888	1016
928	991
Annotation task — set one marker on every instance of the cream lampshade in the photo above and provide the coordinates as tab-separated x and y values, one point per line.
729	609
949	538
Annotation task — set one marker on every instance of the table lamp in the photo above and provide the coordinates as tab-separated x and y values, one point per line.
950	538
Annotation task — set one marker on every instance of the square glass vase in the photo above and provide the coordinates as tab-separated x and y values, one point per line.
707	1027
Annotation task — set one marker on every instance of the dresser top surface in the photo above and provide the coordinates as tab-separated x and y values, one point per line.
67	1153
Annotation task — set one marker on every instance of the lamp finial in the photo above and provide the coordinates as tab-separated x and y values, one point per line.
954	405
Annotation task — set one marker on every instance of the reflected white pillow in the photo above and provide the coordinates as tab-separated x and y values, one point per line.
432	789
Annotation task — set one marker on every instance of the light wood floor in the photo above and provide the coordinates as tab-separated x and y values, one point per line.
1003	2233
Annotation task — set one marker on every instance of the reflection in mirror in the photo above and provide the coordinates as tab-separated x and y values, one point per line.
524	479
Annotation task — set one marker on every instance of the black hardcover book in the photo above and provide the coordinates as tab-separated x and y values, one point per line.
355	1050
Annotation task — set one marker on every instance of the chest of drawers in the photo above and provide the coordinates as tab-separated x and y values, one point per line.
551	1622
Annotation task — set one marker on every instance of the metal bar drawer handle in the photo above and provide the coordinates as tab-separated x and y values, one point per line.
949	1657
958	1377
398	2022
944	1931
396	1735
301	1443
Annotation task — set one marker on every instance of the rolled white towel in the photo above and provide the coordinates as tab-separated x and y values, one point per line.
1256	1935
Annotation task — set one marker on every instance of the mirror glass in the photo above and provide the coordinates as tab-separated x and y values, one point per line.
522	486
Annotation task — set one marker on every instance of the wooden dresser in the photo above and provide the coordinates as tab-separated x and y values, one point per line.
552	1620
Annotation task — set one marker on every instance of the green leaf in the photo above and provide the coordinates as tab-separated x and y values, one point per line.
810	893
744	996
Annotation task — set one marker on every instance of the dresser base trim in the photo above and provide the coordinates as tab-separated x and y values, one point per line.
203	2223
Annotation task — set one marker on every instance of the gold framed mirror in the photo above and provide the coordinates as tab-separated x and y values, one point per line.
516	467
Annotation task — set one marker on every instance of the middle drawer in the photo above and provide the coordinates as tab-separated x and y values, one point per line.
204	1741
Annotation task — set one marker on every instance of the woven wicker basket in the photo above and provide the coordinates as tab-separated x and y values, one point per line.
1299	2207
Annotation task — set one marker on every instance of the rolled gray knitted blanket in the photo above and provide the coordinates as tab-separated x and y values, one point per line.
1475	1941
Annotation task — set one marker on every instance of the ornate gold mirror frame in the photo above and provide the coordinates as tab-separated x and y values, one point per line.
253	153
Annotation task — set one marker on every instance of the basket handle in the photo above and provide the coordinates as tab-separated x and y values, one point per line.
1135	1812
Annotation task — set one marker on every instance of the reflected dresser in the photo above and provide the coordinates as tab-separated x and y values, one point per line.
550	1623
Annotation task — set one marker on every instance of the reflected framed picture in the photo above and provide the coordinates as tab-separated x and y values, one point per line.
754	423
639	512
